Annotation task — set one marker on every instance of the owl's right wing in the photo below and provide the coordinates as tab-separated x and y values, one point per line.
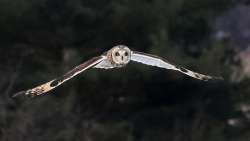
153	60
41	89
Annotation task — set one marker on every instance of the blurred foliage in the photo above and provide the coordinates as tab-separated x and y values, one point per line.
42	39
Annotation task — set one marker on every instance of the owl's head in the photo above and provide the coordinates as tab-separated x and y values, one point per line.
120	54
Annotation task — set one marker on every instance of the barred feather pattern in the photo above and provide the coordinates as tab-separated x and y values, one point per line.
44	88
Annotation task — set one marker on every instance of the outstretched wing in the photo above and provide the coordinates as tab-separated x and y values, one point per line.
153	60
41	89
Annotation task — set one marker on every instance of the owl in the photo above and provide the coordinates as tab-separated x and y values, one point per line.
117	57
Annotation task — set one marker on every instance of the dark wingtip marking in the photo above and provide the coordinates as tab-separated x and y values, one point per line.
205	78
182	69
18	94
197	76
54	83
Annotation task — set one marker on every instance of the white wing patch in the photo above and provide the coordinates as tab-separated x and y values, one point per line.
153	60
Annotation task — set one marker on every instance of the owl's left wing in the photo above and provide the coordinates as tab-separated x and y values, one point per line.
153	60
44	88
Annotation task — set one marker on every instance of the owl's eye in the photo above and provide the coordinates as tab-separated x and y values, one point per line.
126	53
117	54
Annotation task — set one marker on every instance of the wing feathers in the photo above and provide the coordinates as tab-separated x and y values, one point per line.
153	60
41	89
101	62
90	63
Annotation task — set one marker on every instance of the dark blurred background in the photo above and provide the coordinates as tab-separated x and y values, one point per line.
43	39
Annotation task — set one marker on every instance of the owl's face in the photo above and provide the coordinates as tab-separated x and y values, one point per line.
121	54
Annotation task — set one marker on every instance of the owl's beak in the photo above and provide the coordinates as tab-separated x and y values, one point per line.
122	58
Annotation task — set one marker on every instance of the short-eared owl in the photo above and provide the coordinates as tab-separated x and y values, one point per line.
118	56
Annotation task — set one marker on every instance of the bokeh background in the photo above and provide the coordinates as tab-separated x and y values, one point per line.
43	39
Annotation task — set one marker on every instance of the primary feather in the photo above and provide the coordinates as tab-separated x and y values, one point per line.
153	60
41	89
